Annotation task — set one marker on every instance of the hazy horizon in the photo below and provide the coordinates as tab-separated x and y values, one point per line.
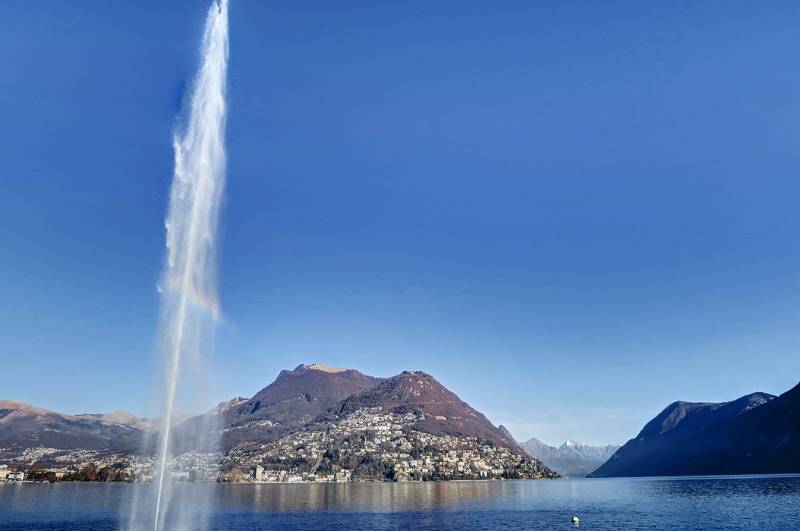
571	215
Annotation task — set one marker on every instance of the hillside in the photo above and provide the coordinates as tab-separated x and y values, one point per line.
442	412
294	399
25	426
757	433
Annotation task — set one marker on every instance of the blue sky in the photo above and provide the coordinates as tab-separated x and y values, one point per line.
570	213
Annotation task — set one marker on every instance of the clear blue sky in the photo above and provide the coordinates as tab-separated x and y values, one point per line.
570	213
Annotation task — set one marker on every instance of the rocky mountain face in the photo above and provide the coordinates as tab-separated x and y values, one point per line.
757	433
25	426
571	459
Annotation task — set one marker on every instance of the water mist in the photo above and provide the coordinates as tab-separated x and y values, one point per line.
189	306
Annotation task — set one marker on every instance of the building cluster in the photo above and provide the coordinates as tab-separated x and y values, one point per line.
53	464
194	466
6	474
373	444
259	474
48	464
55	458
261	423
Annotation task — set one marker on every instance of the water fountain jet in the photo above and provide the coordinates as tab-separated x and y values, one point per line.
189	304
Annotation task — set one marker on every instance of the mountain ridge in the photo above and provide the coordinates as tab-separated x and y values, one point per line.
756	433
566	459
25	425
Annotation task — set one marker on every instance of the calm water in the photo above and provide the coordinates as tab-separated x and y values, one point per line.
722	502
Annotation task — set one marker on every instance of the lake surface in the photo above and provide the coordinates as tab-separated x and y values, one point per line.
719	502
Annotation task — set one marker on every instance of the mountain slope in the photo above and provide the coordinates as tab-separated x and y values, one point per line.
443	413
26	426
756	433
295	398
765	439
122	417
505	431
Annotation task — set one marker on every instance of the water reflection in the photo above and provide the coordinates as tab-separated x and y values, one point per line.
771	502
357	497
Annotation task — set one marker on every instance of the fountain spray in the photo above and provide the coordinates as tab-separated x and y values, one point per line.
189	306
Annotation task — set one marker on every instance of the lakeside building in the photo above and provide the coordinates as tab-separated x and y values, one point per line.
6	474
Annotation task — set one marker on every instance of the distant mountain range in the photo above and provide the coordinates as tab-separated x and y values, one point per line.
26	426
571	459
588	452
757	433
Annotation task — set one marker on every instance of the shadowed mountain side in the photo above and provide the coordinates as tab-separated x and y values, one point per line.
766	439
756	433
444	413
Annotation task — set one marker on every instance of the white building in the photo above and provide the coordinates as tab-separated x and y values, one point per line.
15	476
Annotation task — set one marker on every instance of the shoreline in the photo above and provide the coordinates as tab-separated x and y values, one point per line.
779	475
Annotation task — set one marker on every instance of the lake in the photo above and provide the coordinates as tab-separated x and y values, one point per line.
718	502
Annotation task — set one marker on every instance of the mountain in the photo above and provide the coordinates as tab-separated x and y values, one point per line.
757	433
587	452
443	413
294	399
571	459
505	431
765	439
407	427
25	426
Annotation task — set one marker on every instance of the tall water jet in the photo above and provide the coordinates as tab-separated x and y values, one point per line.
189	306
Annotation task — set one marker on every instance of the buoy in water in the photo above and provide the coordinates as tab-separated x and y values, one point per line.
576	521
